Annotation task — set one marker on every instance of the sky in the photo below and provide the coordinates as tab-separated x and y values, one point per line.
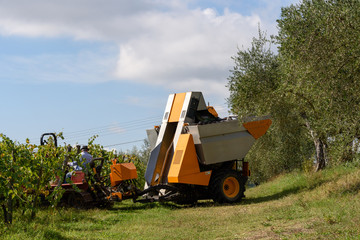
106	68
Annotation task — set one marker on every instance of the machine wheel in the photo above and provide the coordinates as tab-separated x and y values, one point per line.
227	187
75	200
186	199
187	195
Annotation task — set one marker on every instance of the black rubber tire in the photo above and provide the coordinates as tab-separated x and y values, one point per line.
75	200
187	195
186	199
227	186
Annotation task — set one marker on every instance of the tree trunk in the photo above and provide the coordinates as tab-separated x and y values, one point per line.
350	150
320	149
5	213
320	146
37	192
9	216
8	206
9	210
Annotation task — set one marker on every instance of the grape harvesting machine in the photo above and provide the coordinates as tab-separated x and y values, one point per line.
195	155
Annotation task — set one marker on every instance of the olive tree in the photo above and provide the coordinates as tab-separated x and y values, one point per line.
256	89
319	51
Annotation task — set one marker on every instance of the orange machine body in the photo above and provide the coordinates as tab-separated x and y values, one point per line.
212	110
177	107
174	158
258	128
185	166
193	138
121	172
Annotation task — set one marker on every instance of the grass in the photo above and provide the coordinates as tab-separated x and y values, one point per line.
323	205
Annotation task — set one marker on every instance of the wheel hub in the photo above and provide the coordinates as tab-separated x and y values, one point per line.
231	187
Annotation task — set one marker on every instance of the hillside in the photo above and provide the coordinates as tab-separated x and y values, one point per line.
324	205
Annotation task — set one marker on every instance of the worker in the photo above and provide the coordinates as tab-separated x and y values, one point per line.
73	168
85	156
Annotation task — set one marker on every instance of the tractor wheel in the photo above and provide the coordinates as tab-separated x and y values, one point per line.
227	187
75	200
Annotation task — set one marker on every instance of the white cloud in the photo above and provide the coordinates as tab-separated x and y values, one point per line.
85	67
188	50
160	42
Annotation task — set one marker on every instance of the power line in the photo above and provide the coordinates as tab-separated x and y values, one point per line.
110	131
123	143
121	128
110	128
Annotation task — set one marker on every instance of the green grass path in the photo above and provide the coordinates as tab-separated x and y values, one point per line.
323	205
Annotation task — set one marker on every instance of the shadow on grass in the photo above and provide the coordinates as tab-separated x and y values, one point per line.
132	207
273	197
50	234
312	182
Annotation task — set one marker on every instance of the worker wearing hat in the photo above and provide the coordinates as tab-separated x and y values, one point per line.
85	155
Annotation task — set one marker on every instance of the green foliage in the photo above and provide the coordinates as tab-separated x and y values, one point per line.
254	79
26	171
256	89
292	206
319	49
139	157
309	88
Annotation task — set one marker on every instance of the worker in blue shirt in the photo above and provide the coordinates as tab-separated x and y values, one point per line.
85	156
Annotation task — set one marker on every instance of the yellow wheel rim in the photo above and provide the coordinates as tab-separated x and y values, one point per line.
231	187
